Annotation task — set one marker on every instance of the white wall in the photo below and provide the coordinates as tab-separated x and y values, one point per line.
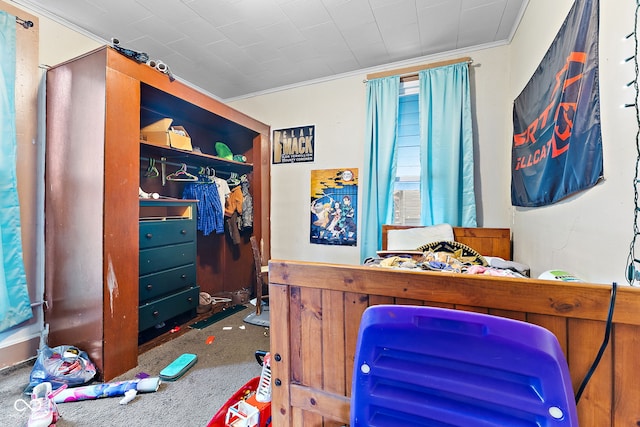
337	108
588	234
59	43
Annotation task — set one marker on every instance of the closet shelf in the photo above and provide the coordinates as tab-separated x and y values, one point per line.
197	159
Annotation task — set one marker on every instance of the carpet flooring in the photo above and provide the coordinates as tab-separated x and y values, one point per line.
261	319
201	324
223	366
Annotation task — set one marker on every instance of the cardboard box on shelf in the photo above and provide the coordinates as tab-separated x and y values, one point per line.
161	133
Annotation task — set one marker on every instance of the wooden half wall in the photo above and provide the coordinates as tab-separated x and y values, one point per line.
316	310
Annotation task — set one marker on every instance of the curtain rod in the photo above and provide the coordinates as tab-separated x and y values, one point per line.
25	24
413	71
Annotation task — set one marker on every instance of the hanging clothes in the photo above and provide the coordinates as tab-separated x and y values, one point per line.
232	211
223	190
234	202
210	210
231	224
246	218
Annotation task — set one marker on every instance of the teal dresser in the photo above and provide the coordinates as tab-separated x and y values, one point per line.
167	270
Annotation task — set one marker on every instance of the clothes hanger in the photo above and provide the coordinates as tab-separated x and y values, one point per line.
152	171
207	174
182	175
233	180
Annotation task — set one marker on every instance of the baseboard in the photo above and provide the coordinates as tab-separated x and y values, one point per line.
18	353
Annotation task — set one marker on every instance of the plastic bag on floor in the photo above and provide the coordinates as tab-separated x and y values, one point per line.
60	365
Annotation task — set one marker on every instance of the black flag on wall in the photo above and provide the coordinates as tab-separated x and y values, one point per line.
557	142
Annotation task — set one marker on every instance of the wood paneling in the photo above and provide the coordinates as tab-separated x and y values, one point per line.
307	329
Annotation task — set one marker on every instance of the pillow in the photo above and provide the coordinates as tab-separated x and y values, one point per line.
412	238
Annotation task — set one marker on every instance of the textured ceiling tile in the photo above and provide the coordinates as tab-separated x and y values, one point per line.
325	33
263	52
281	34
200	32
166	10
260	45
240	33
510	19
306	13
219	12
159	30
351	14
363	35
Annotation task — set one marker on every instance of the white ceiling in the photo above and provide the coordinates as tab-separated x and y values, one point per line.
234	48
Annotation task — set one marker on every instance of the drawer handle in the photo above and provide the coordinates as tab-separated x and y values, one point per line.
184	276
190	299
149	286
156	313
148	235
183	231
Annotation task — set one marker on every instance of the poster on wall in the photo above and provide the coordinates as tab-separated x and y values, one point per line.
293	145
334	207
557	141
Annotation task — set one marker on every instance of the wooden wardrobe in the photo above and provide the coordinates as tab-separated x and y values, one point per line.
95	163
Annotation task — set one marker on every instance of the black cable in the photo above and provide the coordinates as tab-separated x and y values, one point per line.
605	342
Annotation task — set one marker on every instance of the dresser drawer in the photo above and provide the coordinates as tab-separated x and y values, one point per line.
156	284
162	309
163	258
169	232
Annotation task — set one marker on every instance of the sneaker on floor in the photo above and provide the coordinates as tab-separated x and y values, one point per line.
44	412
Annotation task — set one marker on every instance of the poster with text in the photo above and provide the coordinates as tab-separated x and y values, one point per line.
334	207
293	145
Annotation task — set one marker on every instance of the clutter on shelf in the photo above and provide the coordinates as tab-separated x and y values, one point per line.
161	133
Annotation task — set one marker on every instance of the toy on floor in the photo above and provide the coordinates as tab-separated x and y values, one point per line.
178	367
97	391
250	406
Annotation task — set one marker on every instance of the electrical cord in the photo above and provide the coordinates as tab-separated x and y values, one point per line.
633	273
605	343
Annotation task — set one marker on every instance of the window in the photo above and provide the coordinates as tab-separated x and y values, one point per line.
406	191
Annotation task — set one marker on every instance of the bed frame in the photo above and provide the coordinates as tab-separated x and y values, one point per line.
486	241
316	309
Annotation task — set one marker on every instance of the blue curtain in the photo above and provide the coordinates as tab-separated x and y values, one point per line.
446	153
14	295
379	161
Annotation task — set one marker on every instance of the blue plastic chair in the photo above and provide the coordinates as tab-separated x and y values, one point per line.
427	366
